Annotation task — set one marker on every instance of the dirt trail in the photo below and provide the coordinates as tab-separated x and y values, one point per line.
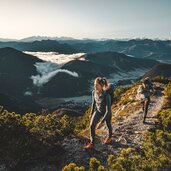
127	132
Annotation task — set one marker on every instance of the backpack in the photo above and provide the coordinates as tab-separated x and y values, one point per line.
145	92
111	90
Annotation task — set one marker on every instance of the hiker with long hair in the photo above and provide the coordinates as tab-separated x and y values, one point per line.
100	112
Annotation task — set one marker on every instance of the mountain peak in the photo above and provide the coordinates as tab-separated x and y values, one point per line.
39	38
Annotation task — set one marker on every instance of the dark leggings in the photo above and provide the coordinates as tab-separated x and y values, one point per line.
94	120
145	107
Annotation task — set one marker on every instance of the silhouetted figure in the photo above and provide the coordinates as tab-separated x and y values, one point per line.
146	89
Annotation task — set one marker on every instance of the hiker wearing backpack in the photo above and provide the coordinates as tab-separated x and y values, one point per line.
100	111
146	90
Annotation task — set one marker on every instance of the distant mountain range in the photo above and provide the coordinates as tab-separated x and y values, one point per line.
36	38
151	49
39	38
140	48
44	45
16	69
63	38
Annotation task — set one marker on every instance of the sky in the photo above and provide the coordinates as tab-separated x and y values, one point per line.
79	19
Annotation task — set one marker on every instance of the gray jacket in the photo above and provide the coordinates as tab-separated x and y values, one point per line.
102	104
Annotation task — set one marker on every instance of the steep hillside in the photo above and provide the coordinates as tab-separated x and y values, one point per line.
116	62
55	141
19	104
162	70
128	132
16	69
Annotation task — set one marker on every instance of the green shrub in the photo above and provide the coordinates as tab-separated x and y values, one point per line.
165	118
127	160
118	92
67	127
73	167
94	164
101	168
31	136
156	148
125	101
168	91
83	123
161	79
15	139
155	153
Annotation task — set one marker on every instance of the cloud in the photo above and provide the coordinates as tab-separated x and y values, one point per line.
56	58
53	61
46	72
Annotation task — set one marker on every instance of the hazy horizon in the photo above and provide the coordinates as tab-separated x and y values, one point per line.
92	19
84	38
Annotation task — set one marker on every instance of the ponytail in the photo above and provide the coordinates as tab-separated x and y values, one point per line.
102	81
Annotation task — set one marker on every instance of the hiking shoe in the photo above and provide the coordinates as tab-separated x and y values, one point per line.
89	146
107	140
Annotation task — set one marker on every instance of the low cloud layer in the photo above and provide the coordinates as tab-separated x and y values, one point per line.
51	66
46	71
57	58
